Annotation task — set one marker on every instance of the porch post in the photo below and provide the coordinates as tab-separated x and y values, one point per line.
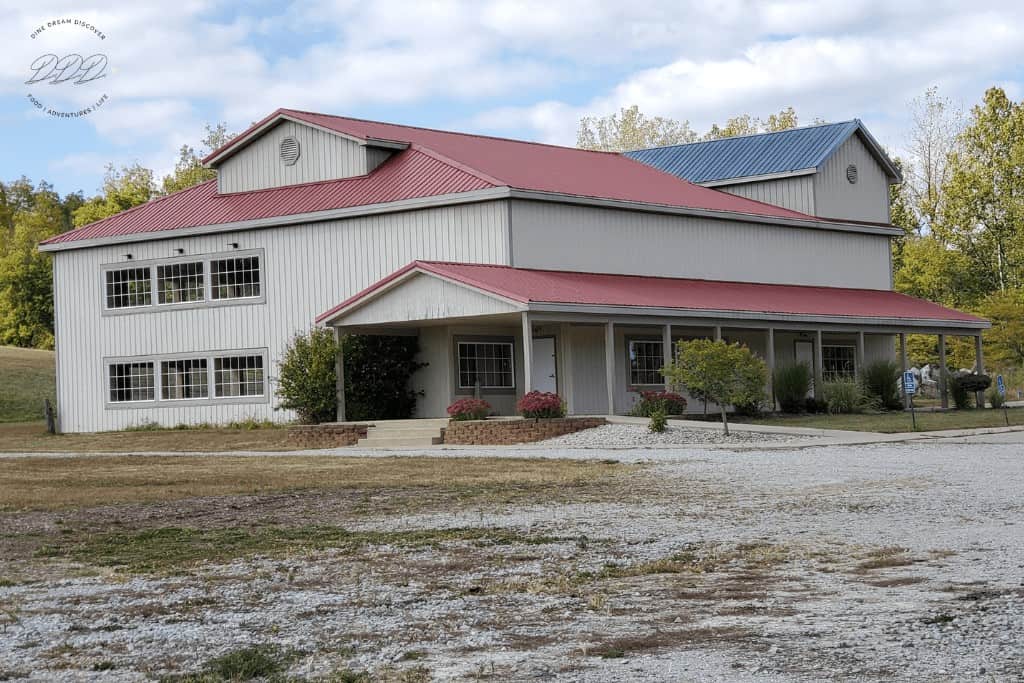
339	377
609	364
942	371
565	367
718	333
979	367
905	364
666	343
818	362
860	352
770	360
527	354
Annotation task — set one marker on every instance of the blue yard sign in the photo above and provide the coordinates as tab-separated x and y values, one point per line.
1000	386
909	383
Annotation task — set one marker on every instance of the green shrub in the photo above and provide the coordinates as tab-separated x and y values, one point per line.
881	384
792	382
377	373
815	406
961	397
659	422
843	396
995	399
306	376
668	402
975	382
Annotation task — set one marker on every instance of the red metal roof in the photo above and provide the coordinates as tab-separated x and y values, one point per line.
437	162
565	287
410	174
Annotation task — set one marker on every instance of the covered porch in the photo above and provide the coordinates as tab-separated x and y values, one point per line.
598	340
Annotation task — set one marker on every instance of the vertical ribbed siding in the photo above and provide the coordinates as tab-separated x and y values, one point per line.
793	193
865	200
306	269
323	156
565	237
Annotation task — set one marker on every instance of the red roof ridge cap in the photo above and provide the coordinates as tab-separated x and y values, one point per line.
431	267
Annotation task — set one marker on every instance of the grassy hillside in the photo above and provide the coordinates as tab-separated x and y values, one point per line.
27	376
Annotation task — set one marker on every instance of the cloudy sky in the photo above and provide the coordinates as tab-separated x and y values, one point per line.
520	69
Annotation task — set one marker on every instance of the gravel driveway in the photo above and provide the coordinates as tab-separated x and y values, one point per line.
883	562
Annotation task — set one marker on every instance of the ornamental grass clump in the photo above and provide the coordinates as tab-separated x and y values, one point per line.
667	402
469	409
881	382
843	396
792	384
541	404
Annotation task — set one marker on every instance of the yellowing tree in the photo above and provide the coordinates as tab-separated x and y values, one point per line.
629	130
122	189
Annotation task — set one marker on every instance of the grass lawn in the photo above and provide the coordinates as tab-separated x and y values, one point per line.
31	437
897	422
27	376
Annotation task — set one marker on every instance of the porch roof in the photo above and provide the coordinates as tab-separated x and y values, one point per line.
528	289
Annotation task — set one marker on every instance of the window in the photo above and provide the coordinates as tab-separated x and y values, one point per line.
489	363
180	282
646	359
238	376
235	278
181	379
838	362
131	382
128	287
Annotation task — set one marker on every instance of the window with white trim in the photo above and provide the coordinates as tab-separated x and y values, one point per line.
180	282
128	287
838	362
235	278
131	382
646	359
489	363
238	376
184	379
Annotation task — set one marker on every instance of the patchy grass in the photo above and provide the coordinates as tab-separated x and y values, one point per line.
168	549
33	483
616	648
246	664
31	437
27	376
890	423
883	558
700	559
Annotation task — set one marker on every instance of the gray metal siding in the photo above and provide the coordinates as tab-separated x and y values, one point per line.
795	193
571	237
865	200
306	269
322	156
589	384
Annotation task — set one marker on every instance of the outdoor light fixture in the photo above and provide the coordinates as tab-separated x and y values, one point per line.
128	256
233	245
180	250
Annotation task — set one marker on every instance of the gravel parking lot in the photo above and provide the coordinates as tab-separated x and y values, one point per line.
882	562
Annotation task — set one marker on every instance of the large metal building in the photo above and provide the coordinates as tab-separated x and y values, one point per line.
177	311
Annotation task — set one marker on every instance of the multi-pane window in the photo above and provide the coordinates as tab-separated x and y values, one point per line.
486	363
238	376
838	362
131	382
646	359
179	282
235	278
128	287
186	378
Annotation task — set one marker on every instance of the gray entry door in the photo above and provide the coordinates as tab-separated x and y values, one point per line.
542	378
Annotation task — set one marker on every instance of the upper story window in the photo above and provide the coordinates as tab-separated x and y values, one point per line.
235	278
487	363
646	359
179	282
128	288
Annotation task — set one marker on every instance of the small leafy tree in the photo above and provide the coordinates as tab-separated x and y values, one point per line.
727	374
306	376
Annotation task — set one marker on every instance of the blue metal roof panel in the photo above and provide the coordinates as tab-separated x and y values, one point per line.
750	155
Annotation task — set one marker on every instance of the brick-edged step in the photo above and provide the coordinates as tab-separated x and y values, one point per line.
403	433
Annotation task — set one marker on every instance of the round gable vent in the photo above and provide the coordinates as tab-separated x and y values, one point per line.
289	151
851	173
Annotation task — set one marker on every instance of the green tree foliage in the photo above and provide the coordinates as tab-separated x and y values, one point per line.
306	381
983	197
377	373
1004	343
122	189
189	170
728	374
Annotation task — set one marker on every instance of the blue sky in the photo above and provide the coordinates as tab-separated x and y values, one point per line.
521	69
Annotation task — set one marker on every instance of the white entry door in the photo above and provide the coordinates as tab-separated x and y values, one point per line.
542	378
805	354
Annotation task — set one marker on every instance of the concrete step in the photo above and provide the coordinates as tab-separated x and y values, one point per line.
386	441
403	433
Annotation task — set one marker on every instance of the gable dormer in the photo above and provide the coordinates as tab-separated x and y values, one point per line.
283	151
